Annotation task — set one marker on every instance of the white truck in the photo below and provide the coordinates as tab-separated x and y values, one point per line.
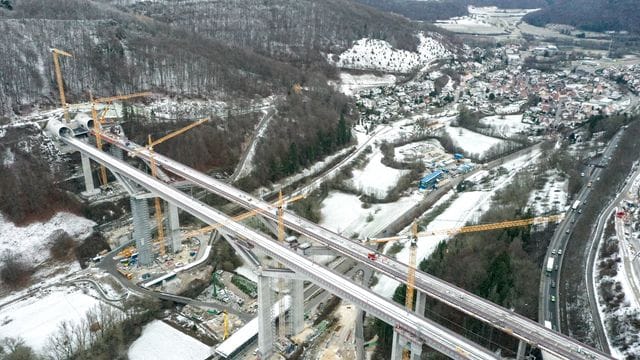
547	324
550	262
575	205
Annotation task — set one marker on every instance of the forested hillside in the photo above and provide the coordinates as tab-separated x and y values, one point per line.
592	15
283	29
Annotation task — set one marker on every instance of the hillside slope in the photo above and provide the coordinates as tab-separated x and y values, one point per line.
592	15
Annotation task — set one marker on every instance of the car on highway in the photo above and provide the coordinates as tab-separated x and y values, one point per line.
553	284
559	251
553	252
553	298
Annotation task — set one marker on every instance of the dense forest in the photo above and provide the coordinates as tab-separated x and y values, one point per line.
592	15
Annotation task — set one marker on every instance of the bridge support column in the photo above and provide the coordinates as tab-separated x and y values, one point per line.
174	228
367	274
416	351
421	302
359	335
522	348
141	230
88	177
397	346
265	331
297	306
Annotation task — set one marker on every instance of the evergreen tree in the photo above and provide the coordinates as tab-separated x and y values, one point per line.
6	4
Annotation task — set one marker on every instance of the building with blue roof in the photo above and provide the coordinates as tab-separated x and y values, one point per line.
430	180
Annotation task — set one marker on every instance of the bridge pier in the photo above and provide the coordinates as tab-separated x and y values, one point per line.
522	348
141	230
416	351
174	240
88	176
265	320
296	313
397	346
421	302
359	335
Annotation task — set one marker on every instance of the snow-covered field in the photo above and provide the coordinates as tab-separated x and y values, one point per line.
350	84
343	213
552	198
160	341
376	178
32	240
507	125
35	319
472	142
374	54
427	151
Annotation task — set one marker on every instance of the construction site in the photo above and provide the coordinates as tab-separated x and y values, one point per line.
303	288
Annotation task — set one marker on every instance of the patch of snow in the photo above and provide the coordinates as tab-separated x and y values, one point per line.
35	319
470	141
552	198
8	158
422	150
31	240
160	341
350	84
343	213
507	125
374	54
376	178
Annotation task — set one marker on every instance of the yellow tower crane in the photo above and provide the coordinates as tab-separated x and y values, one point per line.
56	63
240	217
225	325
475	228
281	282
154	173
99	121
413	250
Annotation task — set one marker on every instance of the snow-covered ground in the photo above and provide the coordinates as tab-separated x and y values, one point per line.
376	178
343	213
350	84
35	319
485	20
470	141
160	341
374	54
32	240
552	198
427	151
468	206
246	165
507	125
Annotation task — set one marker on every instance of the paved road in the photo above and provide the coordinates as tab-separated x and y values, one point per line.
549	310
597	235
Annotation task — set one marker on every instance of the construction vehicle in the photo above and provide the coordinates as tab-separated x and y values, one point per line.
56	63
127	275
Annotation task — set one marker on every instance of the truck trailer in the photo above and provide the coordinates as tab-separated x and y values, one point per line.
550	262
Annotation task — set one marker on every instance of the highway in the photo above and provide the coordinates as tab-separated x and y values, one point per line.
597	235
552	342
548	309
432	334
